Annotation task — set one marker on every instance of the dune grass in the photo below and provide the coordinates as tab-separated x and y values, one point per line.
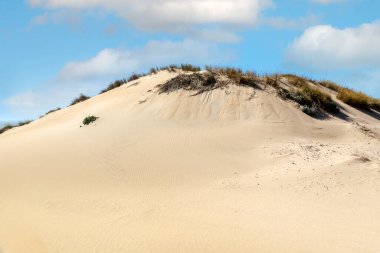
302	92
9	126
190	68
351	97
79	99
240	77
114	85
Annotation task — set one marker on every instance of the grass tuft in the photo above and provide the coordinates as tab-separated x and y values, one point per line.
190	68
354	98
134	77
9	126
114	85
79	99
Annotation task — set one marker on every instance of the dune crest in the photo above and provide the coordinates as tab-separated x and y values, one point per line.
229	169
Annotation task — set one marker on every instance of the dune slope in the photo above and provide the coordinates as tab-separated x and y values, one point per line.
232	170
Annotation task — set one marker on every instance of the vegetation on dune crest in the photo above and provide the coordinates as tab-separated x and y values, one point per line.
351	97
302	90
79	99
247	78
190	68
114	85
196	81
9	127
54	110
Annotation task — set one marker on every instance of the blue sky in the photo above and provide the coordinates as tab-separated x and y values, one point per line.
52	50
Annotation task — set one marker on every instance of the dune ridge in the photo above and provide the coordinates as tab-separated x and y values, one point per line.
232	169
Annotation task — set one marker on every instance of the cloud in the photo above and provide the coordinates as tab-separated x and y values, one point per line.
91	75
189	18
286	23
154	13
324	47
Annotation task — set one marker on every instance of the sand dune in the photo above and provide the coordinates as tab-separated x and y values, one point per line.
232	170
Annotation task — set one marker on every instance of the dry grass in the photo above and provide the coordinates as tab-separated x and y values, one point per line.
8	127
319	98
190	68
114	85
351	97
134	77
314	102
51	111
196	82
356	99
170	68
297	81
79	99
331	85
232	73
237	75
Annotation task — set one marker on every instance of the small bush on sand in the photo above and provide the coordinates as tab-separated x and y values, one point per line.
114	85
89	119
79	99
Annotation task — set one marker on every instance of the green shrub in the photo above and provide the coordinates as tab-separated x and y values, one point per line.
79	99
89	119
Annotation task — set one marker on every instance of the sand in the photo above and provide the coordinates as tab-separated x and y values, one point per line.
232	170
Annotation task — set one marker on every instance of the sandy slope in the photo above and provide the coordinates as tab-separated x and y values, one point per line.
234	170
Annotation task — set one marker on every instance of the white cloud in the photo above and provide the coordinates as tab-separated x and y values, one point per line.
111	62
324	47
212	20
286	23
159	14
91	75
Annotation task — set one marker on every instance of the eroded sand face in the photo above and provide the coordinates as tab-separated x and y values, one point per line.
233	170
